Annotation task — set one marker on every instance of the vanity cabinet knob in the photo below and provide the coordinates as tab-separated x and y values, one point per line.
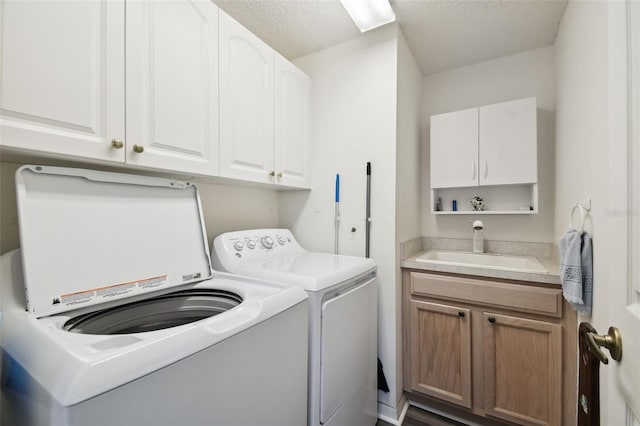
461	314
117	143
138	149
492	320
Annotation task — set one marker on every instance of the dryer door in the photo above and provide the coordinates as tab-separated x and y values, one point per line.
346	350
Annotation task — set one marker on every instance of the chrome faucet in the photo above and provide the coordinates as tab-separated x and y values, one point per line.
478	239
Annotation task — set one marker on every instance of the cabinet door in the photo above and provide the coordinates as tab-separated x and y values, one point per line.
508	143
522	370
441	351
172	85
246	104
62	72
292	124
454	149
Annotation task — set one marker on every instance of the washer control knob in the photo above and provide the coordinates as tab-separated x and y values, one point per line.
251	244
267	242
238	245
281	240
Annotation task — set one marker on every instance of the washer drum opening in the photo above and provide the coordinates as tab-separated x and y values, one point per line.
157	313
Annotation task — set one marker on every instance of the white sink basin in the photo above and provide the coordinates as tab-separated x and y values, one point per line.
484	260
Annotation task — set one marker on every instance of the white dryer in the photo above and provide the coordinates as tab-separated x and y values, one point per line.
342	317
123	321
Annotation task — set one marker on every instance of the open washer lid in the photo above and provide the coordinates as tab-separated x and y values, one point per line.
92	237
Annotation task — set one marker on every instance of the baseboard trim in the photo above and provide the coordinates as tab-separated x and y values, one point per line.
443	414
394	416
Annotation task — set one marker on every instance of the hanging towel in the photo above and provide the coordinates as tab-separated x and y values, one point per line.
576	269
586	262
571	266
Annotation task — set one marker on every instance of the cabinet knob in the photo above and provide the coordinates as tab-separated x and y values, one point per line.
492	320
461	314
272	173
138	149
279	174
117	143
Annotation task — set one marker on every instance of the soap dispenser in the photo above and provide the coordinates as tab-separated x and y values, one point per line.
478	239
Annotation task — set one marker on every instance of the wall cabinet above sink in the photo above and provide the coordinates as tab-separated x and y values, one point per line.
484	148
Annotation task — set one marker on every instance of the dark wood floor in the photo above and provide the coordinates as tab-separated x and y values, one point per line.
418	417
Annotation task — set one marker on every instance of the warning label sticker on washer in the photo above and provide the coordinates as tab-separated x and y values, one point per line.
110	291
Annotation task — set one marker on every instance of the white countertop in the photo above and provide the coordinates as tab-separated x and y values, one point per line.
552	276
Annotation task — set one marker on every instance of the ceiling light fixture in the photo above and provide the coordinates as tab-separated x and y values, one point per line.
369	14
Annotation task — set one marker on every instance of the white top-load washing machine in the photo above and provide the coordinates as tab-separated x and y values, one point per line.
123	321
342	322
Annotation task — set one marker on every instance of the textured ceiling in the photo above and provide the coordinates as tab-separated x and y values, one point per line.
443	34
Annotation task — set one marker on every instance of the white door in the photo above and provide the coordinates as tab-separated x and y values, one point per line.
620	384
454	149
292	93
508	143
62	71
246	104
172	85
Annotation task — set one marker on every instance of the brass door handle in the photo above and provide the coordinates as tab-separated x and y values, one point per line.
612	341
138	149
116	143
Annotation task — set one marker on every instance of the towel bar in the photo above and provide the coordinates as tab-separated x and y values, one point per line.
583	213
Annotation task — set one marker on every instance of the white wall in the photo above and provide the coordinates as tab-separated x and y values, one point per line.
354	121
582	166
526	74
408	172
225	208
581	131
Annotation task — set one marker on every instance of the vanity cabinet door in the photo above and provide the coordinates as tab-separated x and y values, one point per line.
522	369
440	346
454	149
508	143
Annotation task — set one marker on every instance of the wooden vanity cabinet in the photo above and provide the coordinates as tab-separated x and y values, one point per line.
522	366
440	352
493	349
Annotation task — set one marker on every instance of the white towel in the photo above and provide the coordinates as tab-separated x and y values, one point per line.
576	269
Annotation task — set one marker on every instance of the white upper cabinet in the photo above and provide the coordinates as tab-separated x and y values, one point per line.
172	85
62	71
246	104
63	81
264	111
508	143
292	124
489	145
454	149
